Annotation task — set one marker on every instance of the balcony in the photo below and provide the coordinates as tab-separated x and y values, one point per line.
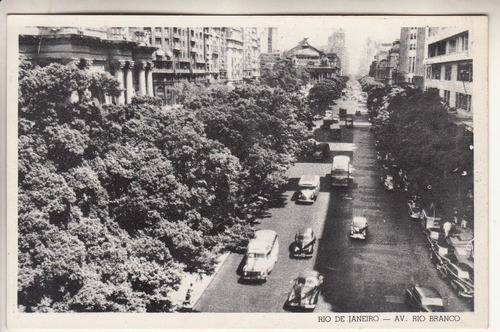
176	46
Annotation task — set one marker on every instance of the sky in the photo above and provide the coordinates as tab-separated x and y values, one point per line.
317	32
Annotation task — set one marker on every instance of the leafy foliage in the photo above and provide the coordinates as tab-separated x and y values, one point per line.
323	93
416	129
117	202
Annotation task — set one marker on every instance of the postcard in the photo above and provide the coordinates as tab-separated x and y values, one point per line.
247	172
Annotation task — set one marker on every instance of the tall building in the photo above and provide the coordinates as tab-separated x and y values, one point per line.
269	40
122	52
449	68
234	54
411	59
336	44
370	50
251	53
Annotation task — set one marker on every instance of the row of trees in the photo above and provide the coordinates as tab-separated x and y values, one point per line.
423	138
116	202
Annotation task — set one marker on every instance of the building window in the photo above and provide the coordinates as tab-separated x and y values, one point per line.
413	47
436	72
157	31
157	41
446	97
464	41
428	72
464	72
452	45
447	73
463	101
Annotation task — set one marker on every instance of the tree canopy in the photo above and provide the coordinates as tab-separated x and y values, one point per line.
116	202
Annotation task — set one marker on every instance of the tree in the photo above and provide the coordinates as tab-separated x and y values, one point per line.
323	94
285	75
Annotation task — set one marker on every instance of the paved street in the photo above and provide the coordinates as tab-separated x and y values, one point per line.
365	276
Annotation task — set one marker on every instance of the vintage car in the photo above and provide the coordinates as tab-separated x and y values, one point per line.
424	299
305	291
321	151
442	252
414	208
359	228
335	118
304	243
308	188
460	276
349	121
434	234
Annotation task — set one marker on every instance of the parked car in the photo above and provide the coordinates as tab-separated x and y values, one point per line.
335	118
321	151
305	291
414	207
304	243
442	253
424	299
349	121
359	228
434	234
460	276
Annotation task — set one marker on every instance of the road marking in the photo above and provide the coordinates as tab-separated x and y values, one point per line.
394	299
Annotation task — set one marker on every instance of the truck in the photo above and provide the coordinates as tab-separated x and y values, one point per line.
261	255
341	171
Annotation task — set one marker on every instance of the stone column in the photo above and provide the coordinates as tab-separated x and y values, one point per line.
129	82
119	66
149	80
142	77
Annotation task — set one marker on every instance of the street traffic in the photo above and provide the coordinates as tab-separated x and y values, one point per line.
359	271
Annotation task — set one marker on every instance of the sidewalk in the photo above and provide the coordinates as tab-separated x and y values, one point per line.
199	282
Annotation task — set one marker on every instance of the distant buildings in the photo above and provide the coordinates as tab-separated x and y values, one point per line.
269	53
432	58
411	56
150	60
336	44
318	64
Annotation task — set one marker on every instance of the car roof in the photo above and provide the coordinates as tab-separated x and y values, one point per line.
308	179
265	235
427	291
359	221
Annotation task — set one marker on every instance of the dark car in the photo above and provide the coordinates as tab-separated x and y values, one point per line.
305	291
304	243
349	121
424	299
321	151
442	253
460	276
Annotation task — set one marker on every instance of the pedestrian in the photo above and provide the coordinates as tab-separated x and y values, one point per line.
447	228
463	223
187	300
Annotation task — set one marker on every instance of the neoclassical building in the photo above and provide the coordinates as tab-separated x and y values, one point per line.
320	65
118	51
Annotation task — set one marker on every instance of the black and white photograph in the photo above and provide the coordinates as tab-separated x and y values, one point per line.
330	168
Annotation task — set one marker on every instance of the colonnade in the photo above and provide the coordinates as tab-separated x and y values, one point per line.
125	73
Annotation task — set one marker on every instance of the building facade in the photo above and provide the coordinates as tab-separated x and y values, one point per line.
449	68
318	64
122	52
234	54
411	56
251	53
336	44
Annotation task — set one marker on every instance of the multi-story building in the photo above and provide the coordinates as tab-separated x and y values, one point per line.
448	68
384	67
251	54
318	64
122	52
269	40
411	56
234	54
371	48
336	44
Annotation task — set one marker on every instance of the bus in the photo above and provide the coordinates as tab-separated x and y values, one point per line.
262	254
341	171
